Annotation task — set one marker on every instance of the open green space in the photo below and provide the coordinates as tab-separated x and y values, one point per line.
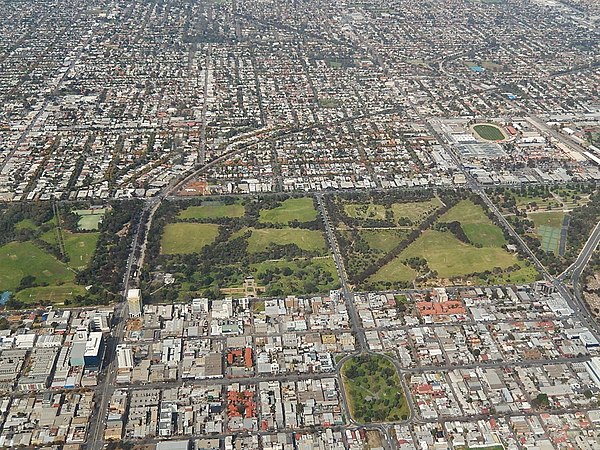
476	224
450	257
19	259
548	226
382	240
300	209
309	240
90	218
80	248
414	211
395	271
51	294
212	210
308	276
552	219
489	132
182	237
374	390
26	224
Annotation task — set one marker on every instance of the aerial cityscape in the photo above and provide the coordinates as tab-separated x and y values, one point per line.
300	224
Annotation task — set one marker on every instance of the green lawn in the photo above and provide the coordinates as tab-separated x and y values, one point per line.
53	294
365	211
18	259
383	240
212	211
26	224
475	223
450	257
374	390
552	219
80	247
489	132
416	211
309	240
179	238
300	209
395	271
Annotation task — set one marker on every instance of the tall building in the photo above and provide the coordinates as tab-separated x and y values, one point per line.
134	301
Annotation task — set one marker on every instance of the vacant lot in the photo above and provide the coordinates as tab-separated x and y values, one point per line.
489	132
212	211
308	240
300	209
19	259
179	238
374	390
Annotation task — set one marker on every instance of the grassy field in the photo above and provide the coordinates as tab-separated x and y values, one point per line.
383	240
80	247
394	271
18	259
90	218
52	294
553	219
414	211
450	257
300	209
26	224
476	224
179	238
309	240
212	211
489	132
374	390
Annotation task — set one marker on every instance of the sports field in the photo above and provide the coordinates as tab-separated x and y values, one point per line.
548	226
90	218
52	294
212	211
300	209
489	132
80	247
182	237
18	259
309	240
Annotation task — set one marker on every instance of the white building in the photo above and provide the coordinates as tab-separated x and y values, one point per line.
134	302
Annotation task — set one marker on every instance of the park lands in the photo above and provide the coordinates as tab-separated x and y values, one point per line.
277	245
